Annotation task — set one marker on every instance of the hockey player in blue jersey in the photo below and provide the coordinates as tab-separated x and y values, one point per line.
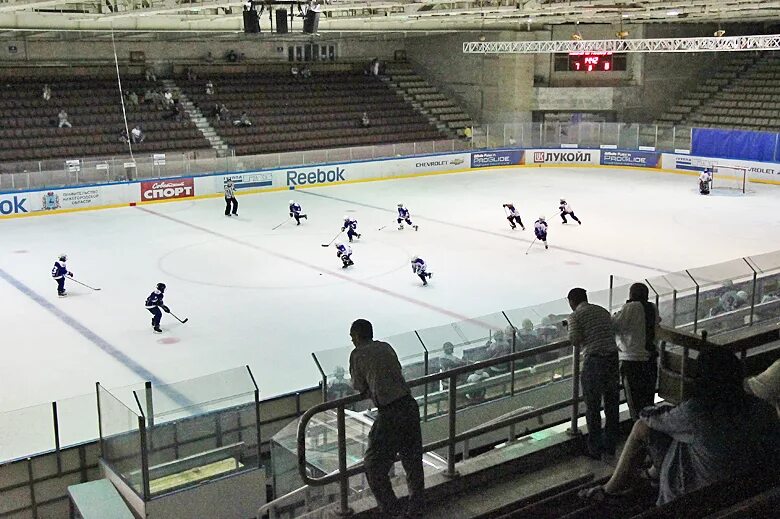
404	216
295	212
345	253
154	303
420	269
513	216
566	209
58	272
540	230
350	225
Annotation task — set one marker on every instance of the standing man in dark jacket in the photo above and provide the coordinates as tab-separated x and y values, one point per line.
231	204
376	373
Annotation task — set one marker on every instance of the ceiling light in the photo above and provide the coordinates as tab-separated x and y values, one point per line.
672	13
719	33
577	36
622	35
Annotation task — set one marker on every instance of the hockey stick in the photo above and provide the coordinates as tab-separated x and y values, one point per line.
83	284
284	222
182	321
381	227
331	241
529	247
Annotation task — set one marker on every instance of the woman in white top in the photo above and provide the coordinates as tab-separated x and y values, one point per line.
635	333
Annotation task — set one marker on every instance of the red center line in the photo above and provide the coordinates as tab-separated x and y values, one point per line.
338	275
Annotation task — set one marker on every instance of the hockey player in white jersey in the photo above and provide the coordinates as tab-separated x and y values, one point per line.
513	215
296	212
705	181
58	272
566	209
540	230
345	253
404	216
350	225
420	269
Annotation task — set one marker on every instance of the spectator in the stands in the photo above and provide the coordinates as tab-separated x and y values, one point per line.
337	386
149	74
209	88
467	132
63	118
221	112
295	71
448	360
365	122
46	92
168	99
375	67
244	120
137	135
590	328
132	99
719	433
766	385
305	72
231	56
635	328
123	138
209	58
191	76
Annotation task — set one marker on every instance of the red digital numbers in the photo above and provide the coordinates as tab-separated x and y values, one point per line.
590	61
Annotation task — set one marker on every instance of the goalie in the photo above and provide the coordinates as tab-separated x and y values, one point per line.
705	181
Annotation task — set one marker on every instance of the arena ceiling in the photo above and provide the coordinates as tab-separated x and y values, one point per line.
39	17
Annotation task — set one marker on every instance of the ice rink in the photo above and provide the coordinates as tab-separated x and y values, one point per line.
269	298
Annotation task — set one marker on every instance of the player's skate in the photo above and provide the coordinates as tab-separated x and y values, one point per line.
401	227
63	294
545	246
416	227
157	329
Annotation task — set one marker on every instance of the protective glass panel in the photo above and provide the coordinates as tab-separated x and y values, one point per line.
26	431
121	437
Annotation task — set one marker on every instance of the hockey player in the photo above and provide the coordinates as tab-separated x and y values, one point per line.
705	181
350	225
58	272
419	268
404	216
513	216
230	199
540	230
566	209
153	303
295	212
345	253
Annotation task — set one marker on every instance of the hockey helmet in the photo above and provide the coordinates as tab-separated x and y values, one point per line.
542	218
229	182
292	202
161	287
63	257
346	217
415	258
400	205
563	200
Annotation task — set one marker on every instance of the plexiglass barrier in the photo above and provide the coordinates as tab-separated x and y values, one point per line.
120	437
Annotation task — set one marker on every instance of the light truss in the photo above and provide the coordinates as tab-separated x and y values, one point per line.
711	44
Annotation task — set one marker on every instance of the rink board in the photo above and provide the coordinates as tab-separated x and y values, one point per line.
122	194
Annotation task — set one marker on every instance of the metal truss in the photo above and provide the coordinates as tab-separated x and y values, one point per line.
711	44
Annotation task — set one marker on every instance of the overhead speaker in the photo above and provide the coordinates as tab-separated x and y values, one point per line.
251	21
281	21
311	22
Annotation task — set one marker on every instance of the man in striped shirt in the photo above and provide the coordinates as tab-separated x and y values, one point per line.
230	199
590	328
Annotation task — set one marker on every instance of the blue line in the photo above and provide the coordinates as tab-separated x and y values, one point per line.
475	229
95	339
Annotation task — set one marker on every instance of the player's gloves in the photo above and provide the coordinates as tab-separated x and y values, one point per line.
342	229
290	215
166	309
70	274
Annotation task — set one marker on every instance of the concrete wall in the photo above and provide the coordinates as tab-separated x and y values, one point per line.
492	88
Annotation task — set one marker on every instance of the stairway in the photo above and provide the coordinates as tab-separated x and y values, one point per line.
200	121
428	100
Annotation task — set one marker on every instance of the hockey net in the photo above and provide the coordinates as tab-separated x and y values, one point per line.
729	177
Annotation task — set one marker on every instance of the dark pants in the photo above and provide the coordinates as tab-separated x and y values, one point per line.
407	220
513	219
601	381
563	216
423	276
396	431
60	286
157	315
639	378
297	218
351	233
231	202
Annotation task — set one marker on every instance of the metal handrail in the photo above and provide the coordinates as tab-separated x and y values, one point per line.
343	474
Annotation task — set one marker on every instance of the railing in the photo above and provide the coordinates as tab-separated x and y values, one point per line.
344	473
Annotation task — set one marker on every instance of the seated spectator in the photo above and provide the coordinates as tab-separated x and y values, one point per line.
467	133
365	122
221	112
305	72
231	56
148	96
176	112
209	58
46	92
132	99
721	432
168	99
498	346
63	117
766	385
243	120
337	386
191	76
448	360
209	88
123	136
477	395
374	67
294	71
136	135
150	75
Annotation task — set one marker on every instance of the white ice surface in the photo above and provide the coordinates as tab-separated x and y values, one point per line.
270	298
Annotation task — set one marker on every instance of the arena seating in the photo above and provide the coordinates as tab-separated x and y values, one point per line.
28	123
744	93
322	111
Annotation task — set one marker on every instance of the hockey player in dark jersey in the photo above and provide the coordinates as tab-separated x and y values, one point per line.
154	303
350	225
58	272
345	253
404	216
566	209
513	216
295	212
540	230
420	269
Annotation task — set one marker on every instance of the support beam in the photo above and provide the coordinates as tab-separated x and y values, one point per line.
729	44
